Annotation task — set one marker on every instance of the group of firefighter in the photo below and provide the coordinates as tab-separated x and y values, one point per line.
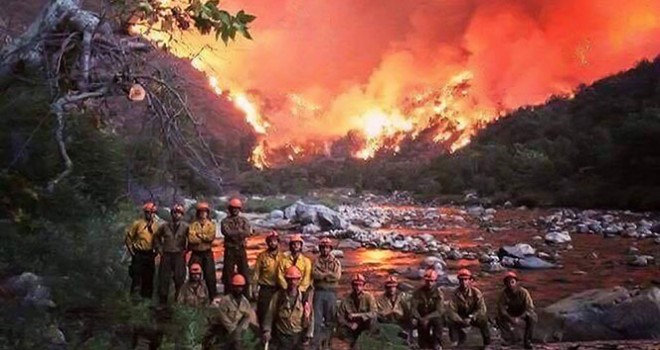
296	298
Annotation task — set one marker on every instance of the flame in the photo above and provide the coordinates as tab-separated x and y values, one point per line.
422	77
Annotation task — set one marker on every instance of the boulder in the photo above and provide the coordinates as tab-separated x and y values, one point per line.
339	254
317	214
533	263
276	214
349	244
519	250
602	314
492	267
310	229
558	237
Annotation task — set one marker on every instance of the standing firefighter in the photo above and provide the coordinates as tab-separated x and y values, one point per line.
467	308
294	257
391	308
265	275
194	292
235	228
231	320
515	306
201	234
171	241
427	312
289	320
357	312
326	273
139	242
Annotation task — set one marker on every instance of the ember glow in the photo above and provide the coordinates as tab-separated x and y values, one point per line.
399	70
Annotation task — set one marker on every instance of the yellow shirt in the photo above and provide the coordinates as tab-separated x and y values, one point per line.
289	314
233	314
303	263
140	235
201	235
265	269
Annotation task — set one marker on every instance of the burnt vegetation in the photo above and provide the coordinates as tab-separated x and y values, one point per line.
599	149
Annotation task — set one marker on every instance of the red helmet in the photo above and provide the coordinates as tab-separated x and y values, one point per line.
325	241
235	203
391	281
464	273
238	280
195	268
273	235
149	207
431	275
358	278
293	273
510	274
203	206
296	238
178	208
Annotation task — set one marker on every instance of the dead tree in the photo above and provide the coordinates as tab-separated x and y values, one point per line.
85	61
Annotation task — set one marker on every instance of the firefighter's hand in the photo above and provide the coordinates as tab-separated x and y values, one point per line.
415	322
265	337
354	326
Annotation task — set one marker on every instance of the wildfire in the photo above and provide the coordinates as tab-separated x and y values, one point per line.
378	127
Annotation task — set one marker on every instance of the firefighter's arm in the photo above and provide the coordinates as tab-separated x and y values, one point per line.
414	308
501	307
223	317
246	229
317	273
335	274
372	310
481	307
193	233
158	236
306	280
208	232
439	308
130	234
529	303
257	270
342	315
281	270
452	312
310	326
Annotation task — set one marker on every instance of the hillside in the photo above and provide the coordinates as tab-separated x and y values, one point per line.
598	149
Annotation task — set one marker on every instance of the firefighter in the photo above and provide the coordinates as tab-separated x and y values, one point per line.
236	229
139	243
514	307
201	234
326	273
295	257
391	308
171	241
357	313
289	322
194	292
427	312
231	320
265	275
467	308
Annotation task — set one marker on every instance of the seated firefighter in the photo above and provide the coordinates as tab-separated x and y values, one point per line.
427	312
357	312
514	307
194	291
390	304
289	321
467	308
227	326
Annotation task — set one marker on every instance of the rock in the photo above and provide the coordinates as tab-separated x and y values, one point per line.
455	254
657	240
509	261
339	254
531	263
492	267
519	250
476	210
640	260
487	258
317	214
349	244
543	255
508	204
431	261
276	214
558	237
448	280
632	250
310	229
602	314
579	272
30	288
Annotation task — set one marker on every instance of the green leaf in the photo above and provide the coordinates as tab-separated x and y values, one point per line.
245	18
232	33
225	17
225	36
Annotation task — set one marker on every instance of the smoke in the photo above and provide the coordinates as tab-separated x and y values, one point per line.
344	58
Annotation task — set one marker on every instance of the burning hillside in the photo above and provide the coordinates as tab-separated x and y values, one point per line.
378	75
